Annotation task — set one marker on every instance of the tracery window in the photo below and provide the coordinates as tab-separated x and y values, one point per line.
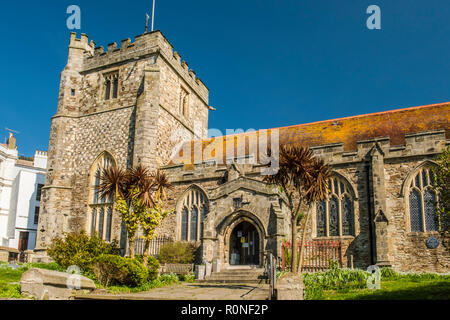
194	210
422	201
101	208
335	214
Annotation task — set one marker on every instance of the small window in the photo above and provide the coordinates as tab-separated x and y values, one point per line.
36	215
184	102
237	203
111	85
72	92
39	192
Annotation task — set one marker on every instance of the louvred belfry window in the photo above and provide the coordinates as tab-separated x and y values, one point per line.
335	214
422	201
194	210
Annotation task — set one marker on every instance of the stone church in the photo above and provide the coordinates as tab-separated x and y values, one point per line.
140	103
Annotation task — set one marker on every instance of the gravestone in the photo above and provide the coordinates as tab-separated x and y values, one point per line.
53	285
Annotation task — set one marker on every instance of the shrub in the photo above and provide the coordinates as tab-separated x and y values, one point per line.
388	273
116	270
187	277
153	266
177	252
79	250
333	279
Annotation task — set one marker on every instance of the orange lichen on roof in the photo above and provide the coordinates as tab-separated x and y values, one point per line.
394	124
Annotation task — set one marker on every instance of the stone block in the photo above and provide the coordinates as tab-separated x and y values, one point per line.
4	256
217	264
208	269
200	272
53	285
290	287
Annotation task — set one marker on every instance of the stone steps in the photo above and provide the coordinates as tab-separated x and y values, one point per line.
238	276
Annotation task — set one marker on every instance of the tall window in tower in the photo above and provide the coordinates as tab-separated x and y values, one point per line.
184	102
111	85
100	207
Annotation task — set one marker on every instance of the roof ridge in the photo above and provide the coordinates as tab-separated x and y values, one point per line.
364	115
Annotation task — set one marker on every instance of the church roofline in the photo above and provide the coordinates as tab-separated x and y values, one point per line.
392	125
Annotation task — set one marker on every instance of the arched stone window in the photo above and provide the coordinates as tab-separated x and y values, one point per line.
335	214
101	208
422	201
193	211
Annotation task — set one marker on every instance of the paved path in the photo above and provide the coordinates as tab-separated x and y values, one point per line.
193	291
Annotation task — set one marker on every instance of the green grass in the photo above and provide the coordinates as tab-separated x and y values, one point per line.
401	289
345	284
9	278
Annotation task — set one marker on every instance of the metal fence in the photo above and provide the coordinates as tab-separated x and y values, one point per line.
155	245
317	255
271	272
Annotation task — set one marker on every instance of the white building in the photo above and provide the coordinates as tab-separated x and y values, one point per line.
21	181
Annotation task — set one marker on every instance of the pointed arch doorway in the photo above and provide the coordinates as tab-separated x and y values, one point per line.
244	245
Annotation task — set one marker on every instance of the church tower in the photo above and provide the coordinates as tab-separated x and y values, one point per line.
121	106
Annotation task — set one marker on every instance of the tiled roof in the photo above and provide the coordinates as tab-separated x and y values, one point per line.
348	131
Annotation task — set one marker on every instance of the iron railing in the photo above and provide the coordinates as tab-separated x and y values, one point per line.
271	272
155	245
317	255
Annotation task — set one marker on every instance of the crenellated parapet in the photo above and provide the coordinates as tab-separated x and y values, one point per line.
416	144
146	46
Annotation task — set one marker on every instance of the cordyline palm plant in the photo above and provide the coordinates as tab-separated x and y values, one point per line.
303	179
138	194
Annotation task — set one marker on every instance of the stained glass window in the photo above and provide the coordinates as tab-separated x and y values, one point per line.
335	214
347	217
184	224
422	202
93	221
101	221
194	224
109	224
334	217
415	208
321	219
430	210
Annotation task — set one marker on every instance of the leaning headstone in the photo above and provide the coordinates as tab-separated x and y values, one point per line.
53	285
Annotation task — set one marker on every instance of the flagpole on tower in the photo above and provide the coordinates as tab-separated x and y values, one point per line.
153	14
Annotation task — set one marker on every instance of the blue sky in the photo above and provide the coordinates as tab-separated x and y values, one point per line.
267	63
